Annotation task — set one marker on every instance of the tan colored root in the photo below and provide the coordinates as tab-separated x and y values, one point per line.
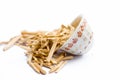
41	48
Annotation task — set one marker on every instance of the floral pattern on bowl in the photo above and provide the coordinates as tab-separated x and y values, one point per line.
81	40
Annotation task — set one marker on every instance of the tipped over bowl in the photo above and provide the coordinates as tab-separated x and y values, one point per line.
82	38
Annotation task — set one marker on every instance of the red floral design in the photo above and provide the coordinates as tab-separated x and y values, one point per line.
82	28
66	48
79	34
75	40
70	45
83	25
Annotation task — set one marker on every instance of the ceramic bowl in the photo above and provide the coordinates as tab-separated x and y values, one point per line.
82	38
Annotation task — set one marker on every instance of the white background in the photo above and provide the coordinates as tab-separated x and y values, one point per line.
102	62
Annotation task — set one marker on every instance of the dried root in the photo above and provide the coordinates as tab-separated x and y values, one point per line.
41	48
